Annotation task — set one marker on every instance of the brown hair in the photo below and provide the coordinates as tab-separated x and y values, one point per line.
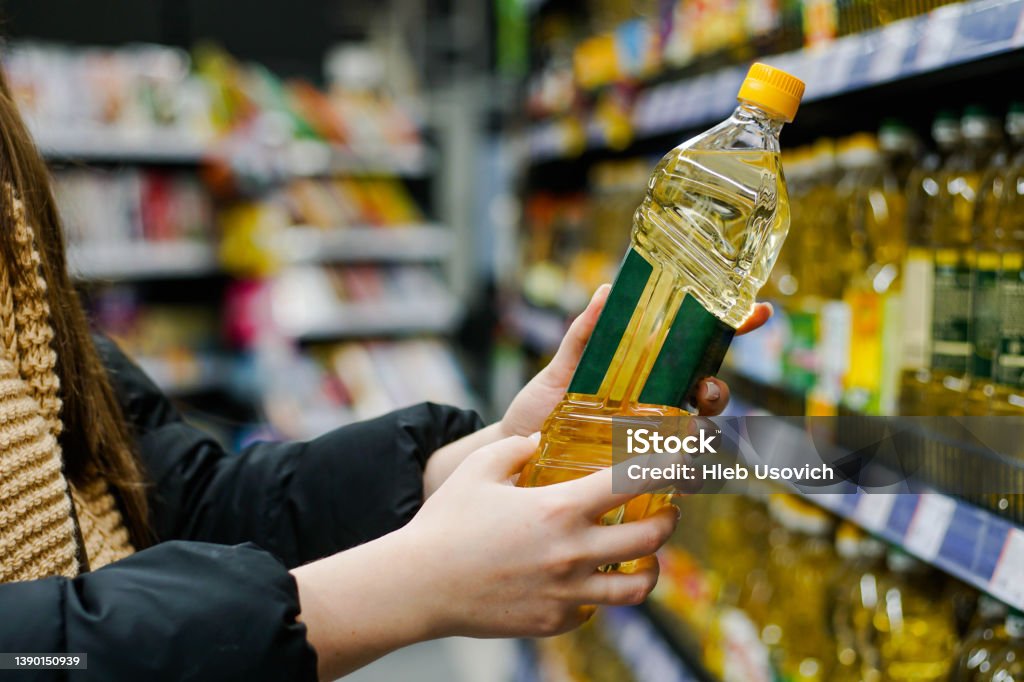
95	440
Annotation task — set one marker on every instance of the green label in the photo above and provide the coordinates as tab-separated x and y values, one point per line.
618	311
800	361
694	348
1010	361
951	346
985	325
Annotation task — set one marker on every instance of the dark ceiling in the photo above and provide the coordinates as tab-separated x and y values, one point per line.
290	36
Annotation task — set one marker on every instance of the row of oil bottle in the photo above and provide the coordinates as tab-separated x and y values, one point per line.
902	276
774	590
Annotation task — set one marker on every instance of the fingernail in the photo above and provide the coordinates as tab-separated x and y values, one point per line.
679	514
771	309
599	291
535	436
713	393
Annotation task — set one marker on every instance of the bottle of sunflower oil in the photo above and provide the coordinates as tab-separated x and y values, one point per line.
914	625
993	246
987	635
919	265
955	264
704	241
1008	662
1008	392
853	602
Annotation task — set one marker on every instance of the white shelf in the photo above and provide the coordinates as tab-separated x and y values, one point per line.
421	315
314	158
141	260
417	243
114	145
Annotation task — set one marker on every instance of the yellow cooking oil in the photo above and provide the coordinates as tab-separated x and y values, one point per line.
1008	388
956	264
923	195
703	243
1008	662
914	629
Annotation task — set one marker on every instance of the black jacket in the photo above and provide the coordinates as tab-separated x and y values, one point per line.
214	600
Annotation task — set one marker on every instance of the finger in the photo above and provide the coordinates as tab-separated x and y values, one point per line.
762	311
596	494
629	541
712	397
620	589
505	457
575	339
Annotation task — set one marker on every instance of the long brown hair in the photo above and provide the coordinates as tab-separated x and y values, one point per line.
95	440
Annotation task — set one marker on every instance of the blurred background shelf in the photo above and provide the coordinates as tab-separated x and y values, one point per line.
143	260
413	243
188	374
114	145
950	36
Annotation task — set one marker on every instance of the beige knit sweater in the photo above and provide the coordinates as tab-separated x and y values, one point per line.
38	532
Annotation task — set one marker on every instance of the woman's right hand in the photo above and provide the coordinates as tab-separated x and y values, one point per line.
482	558
513	562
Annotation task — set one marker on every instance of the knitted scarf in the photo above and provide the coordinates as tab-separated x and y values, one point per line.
47	527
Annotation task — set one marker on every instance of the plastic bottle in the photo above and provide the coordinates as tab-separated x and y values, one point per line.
955	266
704	241
991	246
919	266
1008	390
914	626
854	599
801	561
1008	662
986	637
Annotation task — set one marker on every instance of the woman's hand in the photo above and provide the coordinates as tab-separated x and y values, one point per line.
538	398
482	558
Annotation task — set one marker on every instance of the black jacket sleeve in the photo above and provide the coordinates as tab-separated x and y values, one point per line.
300	501
189	609
176	611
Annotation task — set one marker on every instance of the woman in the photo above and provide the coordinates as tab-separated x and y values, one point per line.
127	535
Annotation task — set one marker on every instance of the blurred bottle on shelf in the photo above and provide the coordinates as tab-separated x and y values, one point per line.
704	241
913	623
801	564
923	190
854	599
1007	394
1008	661
986	636
955	265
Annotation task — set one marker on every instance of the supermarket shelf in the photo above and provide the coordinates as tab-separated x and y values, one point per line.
311	158
643	644
112	145
327	321
392	243
141	260
950	35
958	537
965	541
188	374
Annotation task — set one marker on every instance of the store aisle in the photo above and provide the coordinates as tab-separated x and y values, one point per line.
457	659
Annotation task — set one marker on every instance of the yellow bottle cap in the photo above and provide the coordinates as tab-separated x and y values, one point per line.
772	89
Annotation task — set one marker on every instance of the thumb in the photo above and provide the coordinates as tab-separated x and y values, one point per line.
506	457
575	340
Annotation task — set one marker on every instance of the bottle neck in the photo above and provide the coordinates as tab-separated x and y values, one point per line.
769	121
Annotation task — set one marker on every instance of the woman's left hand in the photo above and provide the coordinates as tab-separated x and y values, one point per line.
538	398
